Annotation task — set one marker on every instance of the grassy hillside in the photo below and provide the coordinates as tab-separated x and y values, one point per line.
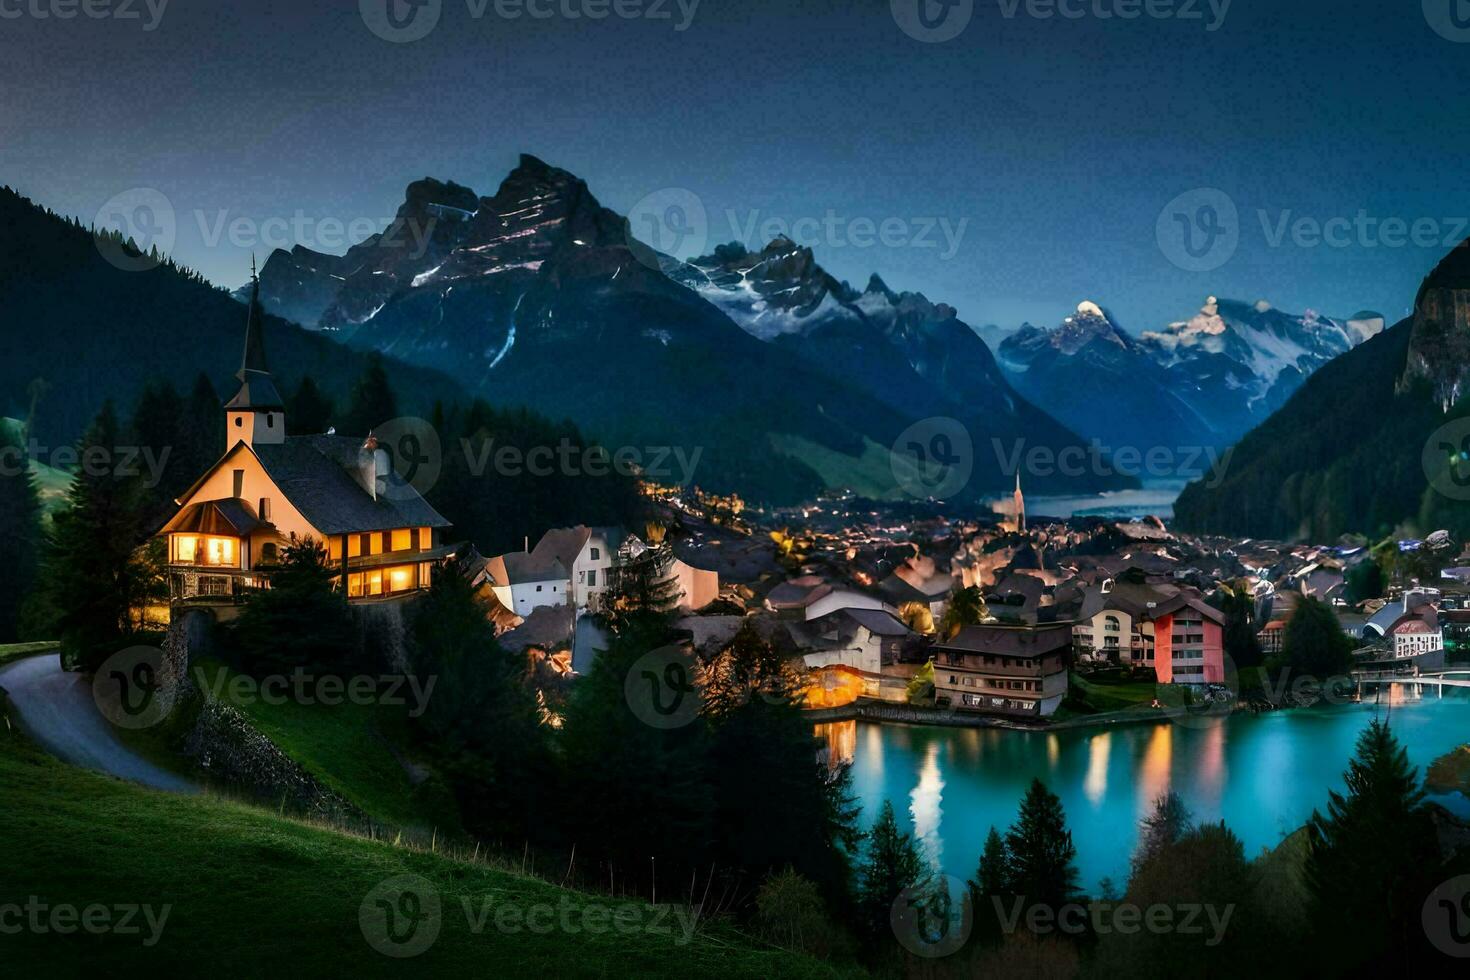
251	894
352	749
51	483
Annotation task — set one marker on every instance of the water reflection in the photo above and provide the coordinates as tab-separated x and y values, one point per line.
925	807
1096	784
1156	768
840	738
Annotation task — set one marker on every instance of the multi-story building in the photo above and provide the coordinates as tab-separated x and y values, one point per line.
1009	670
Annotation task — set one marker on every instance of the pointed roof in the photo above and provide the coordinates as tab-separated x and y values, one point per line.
257	388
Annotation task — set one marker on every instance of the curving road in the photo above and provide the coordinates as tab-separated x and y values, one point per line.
55	708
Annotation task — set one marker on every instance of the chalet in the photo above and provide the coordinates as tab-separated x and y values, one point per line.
1008	670
270	490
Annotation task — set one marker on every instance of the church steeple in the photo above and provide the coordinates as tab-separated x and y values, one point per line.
256	415
1019	502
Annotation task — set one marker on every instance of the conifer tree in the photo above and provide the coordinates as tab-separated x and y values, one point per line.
1372	858
308	411
92	577
1042	855
890	865
20	530
372	401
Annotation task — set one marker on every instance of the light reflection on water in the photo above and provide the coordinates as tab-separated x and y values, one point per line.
1263	775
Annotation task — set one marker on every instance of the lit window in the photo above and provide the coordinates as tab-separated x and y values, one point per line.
426	538
375	543
354	546
186	548
400	579
402	539
221	551
334	549
375	582
354	584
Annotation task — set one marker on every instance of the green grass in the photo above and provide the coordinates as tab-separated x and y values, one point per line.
252	894
15	651
346	747
51	483
1086	695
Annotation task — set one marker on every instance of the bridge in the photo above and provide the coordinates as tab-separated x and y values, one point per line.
1439	679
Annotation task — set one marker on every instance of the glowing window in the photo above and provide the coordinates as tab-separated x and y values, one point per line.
221	551
375	543
375	582
354	546
426	538
186	548
400	579
334	549
354	584
402	539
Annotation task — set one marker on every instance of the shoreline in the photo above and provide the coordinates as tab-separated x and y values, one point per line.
890	713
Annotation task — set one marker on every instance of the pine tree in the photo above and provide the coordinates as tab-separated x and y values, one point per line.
966	607
372	401
302	620
891	865
642	585
92	578
1162	828
483	715
1372	859
308	411
20	530
1041	850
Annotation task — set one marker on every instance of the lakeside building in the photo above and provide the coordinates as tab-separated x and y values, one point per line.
1010	670
270	490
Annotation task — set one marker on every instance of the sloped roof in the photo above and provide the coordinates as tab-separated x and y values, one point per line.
520	567
310	471
1010	641
228	516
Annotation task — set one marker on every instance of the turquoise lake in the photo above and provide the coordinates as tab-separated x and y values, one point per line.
1261	774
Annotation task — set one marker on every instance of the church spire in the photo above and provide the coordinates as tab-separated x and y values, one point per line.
256	415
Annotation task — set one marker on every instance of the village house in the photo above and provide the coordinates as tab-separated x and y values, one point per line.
270	490
1009	670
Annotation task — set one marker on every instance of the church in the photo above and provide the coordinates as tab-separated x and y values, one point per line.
271	489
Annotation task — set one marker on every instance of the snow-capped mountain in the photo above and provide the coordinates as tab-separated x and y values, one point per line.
1100	381
1236	362
786	381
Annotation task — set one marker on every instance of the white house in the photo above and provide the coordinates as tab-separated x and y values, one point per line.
523	582
587	554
